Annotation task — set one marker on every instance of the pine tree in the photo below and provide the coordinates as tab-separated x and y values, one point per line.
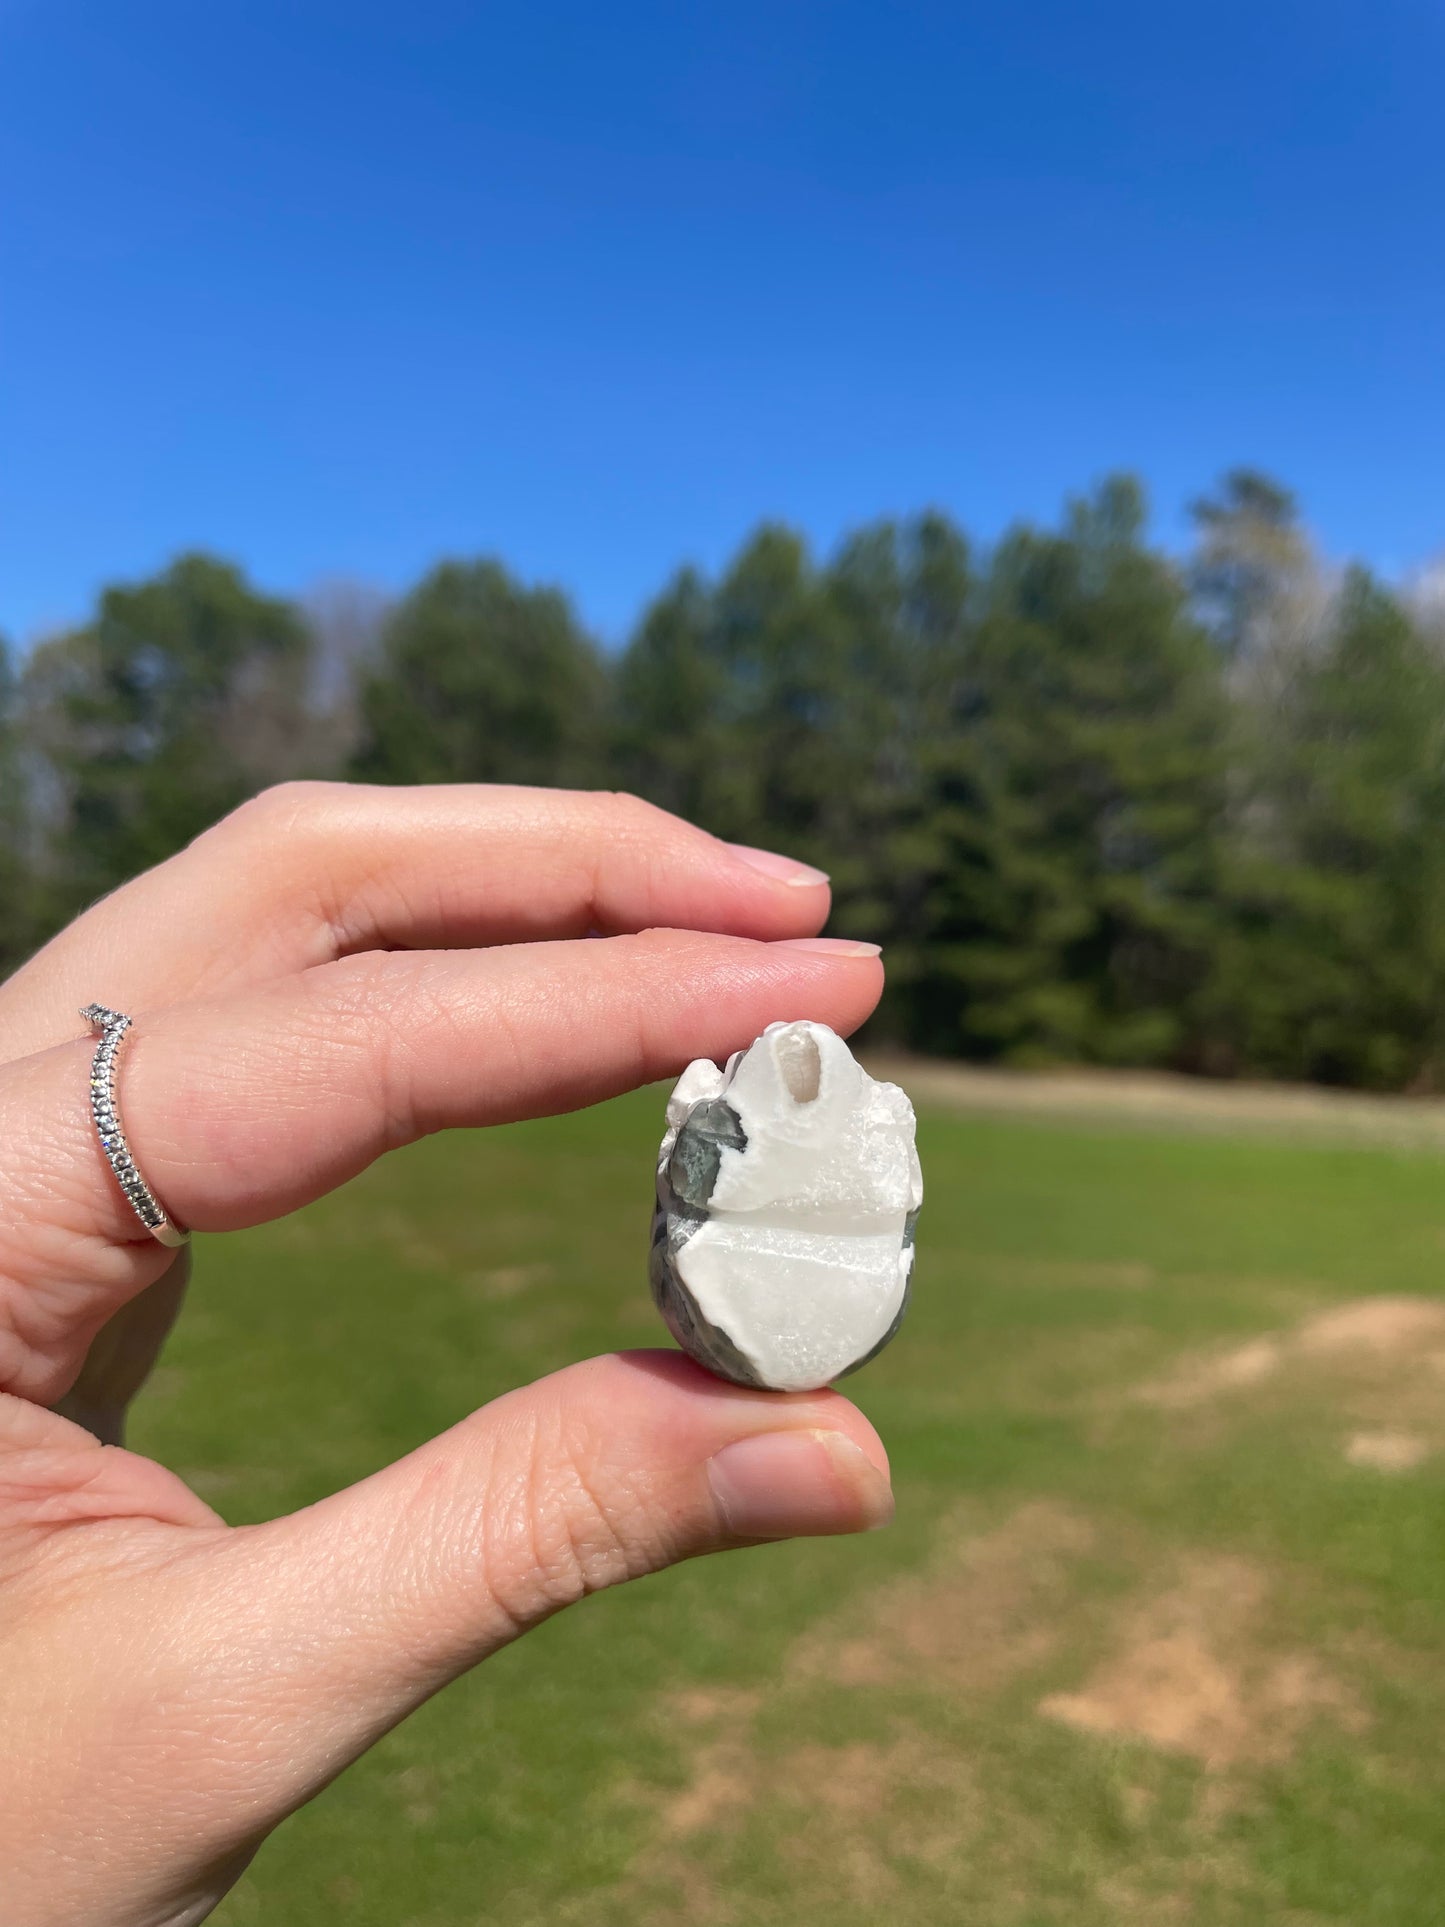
186	694
478	679
799	707
1087	817
1336	965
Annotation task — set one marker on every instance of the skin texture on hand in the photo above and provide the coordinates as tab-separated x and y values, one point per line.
329	973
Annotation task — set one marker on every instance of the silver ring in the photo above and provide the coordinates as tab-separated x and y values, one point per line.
105	1110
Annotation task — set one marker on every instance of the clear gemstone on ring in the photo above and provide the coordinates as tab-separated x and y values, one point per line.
112	1025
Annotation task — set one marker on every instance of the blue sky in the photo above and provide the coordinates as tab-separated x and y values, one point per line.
337	289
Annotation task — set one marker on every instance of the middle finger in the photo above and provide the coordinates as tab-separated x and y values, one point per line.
309	872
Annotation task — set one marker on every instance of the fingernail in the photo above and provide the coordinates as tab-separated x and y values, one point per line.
783	1485
831	946
782	869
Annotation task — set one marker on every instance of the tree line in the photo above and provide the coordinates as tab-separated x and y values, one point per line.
1101	804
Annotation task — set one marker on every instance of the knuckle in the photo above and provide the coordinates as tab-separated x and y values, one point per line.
284	807
629	817
646	840
361	988
308	826
612	1529
386	1006
586	1529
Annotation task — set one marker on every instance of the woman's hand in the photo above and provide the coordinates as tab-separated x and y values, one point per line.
331	972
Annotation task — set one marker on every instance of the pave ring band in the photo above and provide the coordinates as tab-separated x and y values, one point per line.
105	1110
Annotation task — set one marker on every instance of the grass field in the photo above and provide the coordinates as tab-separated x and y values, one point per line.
1158	1634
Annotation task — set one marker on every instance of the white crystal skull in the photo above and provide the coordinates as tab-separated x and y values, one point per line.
788	1186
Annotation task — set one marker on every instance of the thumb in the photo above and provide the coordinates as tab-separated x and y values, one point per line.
599	1473
340	1619
219	1677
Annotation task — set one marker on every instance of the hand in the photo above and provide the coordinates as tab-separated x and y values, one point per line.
309	991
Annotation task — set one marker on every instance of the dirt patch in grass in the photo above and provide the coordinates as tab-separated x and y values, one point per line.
722	1780
1369	1341
865	1806
860	1814
974	1618
1193	1672
853	1817
912	1819
1387	1451
722	1770
700	1705
1388	1327
1198	1380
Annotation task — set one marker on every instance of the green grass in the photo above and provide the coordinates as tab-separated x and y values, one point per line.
851	1732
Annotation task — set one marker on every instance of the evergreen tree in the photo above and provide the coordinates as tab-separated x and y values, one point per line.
478	679
1086	821
727	698
904	593
669	708
186	694
1336	965
16	886
1095	807
1256	583
796	706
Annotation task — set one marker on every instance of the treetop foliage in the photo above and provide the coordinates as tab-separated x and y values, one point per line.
1099	804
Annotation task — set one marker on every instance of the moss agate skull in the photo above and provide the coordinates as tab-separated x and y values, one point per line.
788	1186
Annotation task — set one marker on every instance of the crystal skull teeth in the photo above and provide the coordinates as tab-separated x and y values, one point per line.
788	1186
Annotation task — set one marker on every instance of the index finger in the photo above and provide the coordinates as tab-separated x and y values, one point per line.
241	1109
309	872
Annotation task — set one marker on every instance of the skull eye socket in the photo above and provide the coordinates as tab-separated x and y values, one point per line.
801	1065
